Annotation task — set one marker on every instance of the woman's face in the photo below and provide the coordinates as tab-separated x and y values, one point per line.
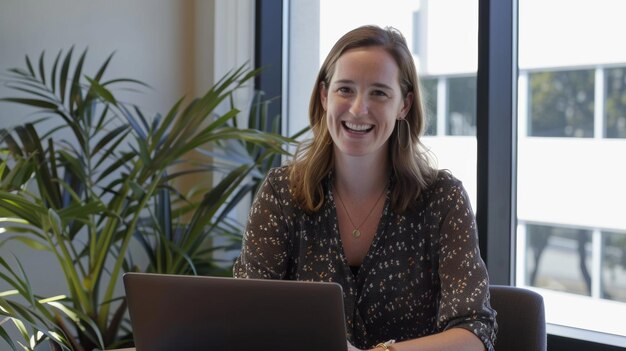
363	101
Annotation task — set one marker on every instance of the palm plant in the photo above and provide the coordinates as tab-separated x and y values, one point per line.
102	178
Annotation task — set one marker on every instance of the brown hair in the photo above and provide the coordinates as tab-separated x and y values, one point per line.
411	167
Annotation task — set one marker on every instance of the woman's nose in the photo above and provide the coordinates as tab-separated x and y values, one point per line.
359	105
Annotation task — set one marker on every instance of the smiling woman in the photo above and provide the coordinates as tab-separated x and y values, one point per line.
363	101
409	266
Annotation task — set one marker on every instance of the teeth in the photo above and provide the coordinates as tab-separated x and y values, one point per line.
358	127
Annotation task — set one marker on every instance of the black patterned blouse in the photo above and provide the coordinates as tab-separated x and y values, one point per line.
422	275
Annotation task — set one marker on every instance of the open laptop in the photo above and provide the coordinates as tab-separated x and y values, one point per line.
174	312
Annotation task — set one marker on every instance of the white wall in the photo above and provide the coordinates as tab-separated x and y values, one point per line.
150	38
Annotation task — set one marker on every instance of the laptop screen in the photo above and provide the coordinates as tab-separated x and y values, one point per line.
174	312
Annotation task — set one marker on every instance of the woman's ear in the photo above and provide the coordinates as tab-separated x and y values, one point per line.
323	95
407	102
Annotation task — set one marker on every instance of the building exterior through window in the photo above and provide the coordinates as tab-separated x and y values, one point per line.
571	209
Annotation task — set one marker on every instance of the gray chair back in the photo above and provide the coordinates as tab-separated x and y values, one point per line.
521	319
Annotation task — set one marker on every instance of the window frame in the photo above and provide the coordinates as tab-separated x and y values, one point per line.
496	137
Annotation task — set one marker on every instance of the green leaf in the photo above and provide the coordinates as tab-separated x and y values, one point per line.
126	80
35	91
53	72
115	134
72	164
82	319
75	89
32	102
55	221
102	91
103	67
32	243
31	71
42	72
14	147
81	211
7	339
63	78
119	163
21	207
110	150
32	142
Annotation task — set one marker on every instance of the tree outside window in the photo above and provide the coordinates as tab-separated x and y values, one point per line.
615	107
561	104
461	116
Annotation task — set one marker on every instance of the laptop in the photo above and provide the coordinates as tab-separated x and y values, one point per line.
176	312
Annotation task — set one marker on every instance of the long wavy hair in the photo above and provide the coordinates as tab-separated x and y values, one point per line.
411	167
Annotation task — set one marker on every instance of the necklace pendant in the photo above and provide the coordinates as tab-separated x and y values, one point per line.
356	233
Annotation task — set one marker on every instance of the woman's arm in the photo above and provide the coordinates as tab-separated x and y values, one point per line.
464	307
264	251
455	339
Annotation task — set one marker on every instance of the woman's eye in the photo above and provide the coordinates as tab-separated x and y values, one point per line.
344	90
379	93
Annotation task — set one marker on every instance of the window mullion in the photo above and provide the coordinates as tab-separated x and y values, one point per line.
496	135
598	114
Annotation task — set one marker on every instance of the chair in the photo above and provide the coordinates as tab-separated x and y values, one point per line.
521	319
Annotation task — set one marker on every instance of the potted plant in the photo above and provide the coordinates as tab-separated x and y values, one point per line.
103	178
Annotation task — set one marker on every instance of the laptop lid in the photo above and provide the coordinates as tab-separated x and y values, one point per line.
175	312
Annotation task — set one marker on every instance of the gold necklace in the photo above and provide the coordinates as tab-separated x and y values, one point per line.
356	233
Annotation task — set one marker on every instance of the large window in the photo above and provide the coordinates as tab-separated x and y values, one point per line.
571	230
569	227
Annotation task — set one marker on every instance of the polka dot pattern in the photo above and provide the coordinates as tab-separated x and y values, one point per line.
423	273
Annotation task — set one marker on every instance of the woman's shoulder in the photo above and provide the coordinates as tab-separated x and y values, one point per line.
444	186
277	182
445	180
278	175
277	178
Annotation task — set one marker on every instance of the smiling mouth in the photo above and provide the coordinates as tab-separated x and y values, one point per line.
357	127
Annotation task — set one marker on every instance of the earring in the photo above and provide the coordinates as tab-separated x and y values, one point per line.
404	144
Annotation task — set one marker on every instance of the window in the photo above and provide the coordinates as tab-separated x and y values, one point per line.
429	100
451	102
570	228
461	116
561	103
615	106
613	276
559	258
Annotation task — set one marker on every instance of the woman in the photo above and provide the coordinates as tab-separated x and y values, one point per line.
360	205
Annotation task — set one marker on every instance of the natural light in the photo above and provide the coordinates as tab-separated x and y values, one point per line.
571	238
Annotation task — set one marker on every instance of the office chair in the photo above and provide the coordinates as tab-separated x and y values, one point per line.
521	319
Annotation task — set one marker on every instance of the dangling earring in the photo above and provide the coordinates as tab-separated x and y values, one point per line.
404	144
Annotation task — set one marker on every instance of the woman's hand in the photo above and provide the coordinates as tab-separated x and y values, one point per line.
352	348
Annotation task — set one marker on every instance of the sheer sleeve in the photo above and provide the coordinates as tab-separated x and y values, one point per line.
264	251
462	272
